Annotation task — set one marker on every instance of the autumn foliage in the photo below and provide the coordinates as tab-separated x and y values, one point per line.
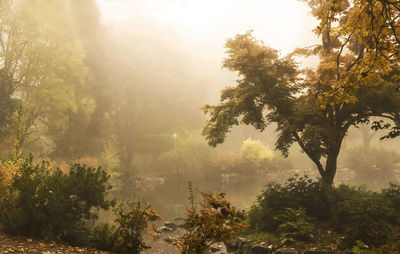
211	221
132	222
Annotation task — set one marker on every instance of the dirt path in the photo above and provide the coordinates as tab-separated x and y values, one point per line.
13	244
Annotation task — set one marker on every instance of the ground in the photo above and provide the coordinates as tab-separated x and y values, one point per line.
14	244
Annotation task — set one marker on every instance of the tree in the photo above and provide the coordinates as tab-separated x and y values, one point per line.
271	90
40	63
85	127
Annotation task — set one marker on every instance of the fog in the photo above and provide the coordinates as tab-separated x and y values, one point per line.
148	67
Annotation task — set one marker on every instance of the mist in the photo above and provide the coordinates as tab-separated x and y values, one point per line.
123	84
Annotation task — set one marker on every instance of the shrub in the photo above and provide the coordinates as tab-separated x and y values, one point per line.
126	235
215	221
392	193
295	225
7	195
102	237
131	224
255	152
298	192
51	204
365	216
354	212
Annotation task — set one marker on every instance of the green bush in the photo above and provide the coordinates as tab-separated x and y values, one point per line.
132	221
51	204
353	212
295	225
298	192
126	236
102	237
392	193
364	216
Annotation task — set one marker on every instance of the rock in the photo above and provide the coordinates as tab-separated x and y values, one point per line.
171	240
348	251
285	251
245	249
260	249
231	246
244	240
321	252
164	229
213	249
171	225
236	244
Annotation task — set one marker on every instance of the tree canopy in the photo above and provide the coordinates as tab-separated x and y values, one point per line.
360	44
41	65
356	79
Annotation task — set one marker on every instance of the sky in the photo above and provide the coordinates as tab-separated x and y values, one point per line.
204	25
200	28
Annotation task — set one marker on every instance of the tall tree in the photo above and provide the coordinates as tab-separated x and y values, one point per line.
41	65
355	80
85	130
270	89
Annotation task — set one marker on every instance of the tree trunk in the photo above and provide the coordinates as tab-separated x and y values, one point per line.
367	136
330	169
331	163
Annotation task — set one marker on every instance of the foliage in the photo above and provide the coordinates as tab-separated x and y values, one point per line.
56	205
354	213
364	216
359	247
392	193
131	222
216	220
360	44
126	234
102	236
295	225
41	63
255	151
299	192
374	167
8	168
356	79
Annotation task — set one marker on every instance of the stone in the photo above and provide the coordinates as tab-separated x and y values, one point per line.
285	251
215	247
245	249
348	251
164	229
234	245
260	249
171	225
231	246
321	252
171	240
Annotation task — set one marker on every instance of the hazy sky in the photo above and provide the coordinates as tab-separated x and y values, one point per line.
206	24
199	29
